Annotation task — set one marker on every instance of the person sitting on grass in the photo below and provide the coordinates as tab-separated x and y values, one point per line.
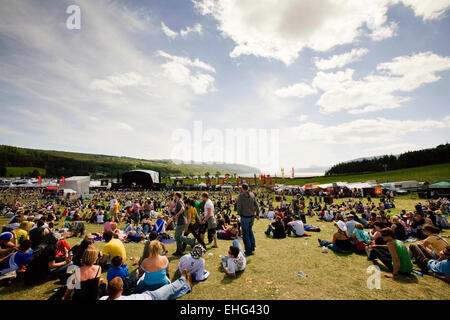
114	247
433	243
396	258
235	261
88	277
17	260
277	228
399	229
230	233
297	228
172	291
194	264
8	242
341	239
154	270
361	237
429	265
119	269
152	236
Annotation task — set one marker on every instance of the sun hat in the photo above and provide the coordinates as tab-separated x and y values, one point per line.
6	236
341	225
198	251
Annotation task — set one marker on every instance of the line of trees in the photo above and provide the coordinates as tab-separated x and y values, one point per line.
410	159
57	166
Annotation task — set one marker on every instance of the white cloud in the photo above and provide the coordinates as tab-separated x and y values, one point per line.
384	32
168	32
302	117
113	84
282	29
197	28
427	9
124	126
340	60
365	130
378	90
299	90
395	148
177	70
80	76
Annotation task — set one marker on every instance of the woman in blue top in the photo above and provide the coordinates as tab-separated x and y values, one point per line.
154	270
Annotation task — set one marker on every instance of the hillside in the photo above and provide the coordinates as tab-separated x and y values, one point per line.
23	161
430	174
410	159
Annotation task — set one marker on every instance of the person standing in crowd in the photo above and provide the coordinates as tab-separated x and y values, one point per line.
208	220
181	220
247	207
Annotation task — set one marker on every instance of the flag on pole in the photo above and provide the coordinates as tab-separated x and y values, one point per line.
63	180
256	181
237	180
39	180
282	173
292	172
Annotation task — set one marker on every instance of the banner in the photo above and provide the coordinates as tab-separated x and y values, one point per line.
292	172
63	180
237	180
39	180
378	191
282	173
264	179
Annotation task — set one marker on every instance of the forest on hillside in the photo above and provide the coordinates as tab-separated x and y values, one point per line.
410	159
60	163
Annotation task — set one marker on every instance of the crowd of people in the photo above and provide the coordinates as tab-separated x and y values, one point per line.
33	243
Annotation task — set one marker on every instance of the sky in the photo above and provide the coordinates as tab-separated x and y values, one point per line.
316	82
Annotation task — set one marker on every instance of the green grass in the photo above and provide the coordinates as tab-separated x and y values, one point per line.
430	174
23	171
272	272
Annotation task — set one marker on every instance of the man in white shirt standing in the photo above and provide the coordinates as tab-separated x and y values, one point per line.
208	219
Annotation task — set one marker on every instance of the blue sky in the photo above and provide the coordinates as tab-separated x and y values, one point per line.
339	79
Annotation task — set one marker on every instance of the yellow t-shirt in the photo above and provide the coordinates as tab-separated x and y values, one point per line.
21	235
114	248
193	213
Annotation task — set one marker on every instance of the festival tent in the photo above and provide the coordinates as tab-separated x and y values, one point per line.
441	184
359	185
78	183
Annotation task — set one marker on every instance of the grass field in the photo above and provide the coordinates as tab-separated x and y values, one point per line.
430	174
272	272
